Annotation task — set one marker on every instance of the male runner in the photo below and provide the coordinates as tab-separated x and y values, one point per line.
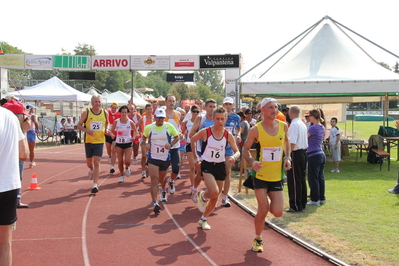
233	126
202	121
215	139
271	136
143	122
94	123
135	117
173	117
113	114
157	138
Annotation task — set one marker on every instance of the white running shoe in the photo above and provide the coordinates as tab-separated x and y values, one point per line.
194	195
163	196
135	161
226	201
204	224
94	189
111	170
121	179
90	174
143	174
201	204
171	186
128	172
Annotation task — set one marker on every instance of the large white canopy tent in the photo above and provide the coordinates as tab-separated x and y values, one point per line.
325	65
122	99
52	89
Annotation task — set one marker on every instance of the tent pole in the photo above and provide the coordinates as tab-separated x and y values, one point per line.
387	108
131	92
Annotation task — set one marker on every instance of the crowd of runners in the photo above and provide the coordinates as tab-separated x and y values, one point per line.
211	139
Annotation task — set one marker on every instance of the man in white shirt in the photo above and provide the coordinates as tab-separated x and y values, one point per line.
296	176
13	146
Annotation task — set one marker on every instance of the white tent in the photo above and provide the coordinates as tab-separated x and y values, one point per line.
325	61
52	90
122	99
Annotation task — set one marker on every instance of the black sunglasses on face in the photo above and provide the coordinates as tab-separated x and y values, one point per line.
197	112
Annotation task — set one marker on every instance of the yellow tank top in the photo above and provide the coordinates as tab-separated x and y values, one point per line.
97	123
271	153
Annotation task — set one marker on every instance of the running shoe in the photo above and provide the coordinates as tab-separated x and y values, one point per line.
226	201
128	172
171	186
163	196
313	203
112	170
90	174
178	176
204	224
157	208
121	179
257	245
194	195
143	175
94	189
135	161
201	204
32	164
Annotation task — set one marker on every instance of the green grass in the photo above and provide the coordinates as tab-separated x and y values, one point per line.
363	129
359	223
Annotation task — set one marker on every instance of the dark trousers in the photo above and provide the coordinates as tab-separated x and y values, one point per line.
296	180
316	177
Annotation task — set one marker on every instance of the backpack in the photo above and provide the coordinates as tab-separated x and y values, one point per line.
388	132
373	157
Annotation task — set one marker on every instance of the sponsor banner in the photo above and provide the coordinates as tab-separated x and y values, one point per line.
39	62
178	77
110	62
139	62
16	61
220	61
72	62
184	62
330	110
230	82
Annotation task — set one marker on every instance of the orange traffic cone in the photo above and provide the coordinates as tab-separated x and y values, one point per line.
33	183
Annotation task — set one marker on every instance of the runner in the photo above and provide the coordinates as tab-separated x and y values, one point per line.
173	117
113	114
144	121
94	122
157	138
31	134
215	139
202	121
133	115
182	148
271	138
233	126
123	128
186	128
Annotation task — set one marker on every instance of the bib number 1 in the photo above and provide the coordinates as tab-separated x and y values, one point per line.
271	154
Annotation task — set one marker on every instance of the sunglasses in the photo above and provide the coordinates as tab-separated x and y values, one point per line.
197	112
159	117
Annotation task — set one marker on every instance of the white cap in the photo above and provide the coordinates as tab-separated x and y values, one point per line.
162	107
266	101
228	100
160	113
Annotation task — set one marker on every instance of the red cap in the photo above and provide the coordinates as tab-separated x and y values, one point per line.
15	107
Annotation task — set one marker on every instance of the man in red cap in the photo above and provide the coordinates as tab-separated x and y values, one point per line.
19	110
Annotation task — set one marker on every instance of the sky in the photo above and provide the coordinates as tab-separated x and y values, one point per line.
253	28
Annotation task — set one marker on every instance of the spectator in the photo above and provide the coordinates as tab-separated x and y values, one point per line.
316	158
335	144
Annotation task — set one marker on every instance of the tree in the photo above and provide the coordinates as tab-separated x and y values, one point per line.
211	78
84	49
396	67
385	65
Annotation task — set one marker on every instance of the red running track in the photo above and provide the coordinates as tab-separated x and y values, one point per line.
66	225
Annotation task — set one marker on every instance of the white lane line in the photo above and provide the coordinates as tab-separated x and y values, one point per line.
131	224
84	222
189	238
49	238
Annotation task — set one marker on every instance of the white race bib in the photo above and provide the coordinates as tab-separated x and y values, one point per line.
96	125
271	154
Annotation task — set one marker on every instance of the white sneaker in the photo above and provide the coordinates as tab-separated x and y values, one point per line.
135	161
143	174
128	172
163	196
194	195
94	189
90	174
121	179
204	224
201	204
111	170
226	201
313	203
171	187
335	170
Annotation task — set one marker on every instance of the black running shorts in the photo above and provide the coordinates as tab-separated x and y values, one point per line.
218	170
8	207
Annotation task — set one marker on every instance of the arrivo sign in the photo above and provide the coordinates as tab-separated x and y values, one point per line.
111	63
